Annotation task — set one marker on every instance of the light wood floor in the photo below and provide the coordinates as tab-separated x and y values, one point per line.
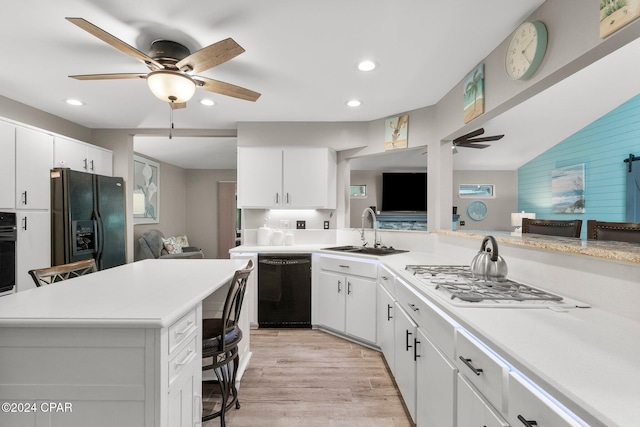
303	377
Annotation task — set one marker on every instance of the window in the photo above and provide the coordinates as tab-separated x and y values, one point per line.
359	191
477	191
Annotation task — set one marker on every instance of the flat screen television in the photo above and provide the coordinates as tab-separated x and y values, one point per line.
404	191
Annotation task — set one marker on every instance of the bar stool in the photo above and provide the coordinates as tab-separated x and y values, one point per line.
58	273
220	339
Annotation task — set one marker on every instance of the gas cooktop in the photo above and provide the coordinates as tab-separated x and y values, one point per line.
456	284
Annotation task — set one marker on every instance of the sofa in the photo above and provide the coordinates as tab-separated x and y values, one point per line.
153	245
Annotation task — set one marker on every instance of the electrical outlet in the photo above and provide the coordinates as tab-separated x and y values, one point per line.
461	223
301	225
326	225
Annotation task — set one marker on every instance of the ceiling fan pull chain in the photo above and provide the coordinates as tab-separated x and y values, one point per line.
172	99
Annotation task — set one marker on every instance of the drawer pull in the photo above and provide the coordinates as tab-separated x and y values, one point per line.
467	362
527	423
343	266
186	328
384	277
185	360
408	346
413	307
389	316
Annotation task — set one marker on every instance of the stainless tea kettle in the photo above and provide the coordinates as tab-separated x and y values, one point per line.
488	264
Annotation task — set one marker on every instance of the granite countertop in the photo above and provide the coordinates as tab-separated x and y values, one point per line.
617	251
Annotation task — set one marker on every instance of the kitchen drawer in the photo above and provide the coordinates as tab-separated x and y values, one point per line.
483	369
180	330
528	404
349	266
473	408
429	321
387	279
181	362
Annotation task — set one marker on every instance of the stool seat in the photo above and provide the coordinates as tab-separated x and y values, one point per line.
211	338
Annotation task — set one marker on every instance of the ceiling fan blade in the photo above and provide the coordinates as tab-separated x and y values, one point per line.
226	89
485	139
210	56
114	41
472	145
178	105
469	135
118	76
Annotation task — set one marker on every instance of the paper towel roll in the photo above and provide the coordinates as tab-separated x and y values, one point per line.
288	239
264	236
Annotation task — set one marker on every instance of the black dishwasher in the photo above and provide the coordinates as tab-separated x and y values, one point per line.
284	290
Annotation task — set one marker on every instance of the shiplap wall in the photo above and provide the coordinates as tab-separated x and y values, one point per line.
602	147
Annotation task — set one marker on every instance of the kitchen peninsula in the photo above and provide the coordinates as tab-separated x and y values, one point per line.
116	347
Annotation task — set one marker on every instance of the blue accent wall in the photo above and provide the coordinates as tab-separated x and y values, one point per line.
602	146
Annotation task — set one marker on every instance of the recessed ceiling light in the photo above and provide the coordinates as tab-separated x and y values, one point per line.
354	103
207	102
366	65
74	102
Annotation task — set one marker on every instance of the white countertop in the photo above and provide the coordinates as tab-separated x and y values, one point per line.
150	293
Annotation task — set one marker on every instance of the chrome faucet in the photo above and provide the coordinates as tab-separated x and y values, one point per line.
375	227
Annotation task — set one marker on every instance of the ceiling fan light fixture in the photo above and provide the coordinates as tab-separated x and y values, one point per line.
171	86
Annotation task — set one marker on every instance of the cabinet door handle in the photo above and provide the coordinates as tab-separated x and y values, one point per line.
288	199
348	288
85	164
408	346
277	198
24	197
384	277
467	362
186	328
339	287
24	223
413	307
526	422
389	316
91	164
185	360
415	349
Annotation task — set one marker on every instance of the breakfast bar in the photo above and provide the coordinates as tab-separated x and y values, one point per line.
117	347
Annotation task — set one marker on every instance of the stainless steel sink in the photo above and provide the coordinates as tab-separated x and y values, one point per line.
366	250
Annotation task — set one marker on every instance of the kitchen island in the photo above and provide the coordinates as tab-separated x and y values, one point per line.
117	347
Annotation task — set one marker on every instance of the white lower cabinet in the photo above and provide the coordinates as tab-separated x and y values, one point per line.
405	356
346	297
473	408
33	245
386	330
529	406
184	404
436	385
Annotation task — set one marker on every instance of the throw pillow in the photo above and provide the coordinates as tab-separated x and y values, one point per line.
182	240
172	245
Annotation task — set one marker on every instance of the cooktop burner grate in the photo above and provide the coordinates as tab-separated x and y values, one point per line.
459	283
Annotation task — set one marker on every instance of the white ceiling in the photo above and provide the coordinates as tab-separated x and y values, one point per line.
300	55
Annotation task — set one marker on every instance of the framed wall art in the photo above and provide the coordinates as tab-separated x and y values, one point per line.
615	14
567	189
473	91
146	191
395	132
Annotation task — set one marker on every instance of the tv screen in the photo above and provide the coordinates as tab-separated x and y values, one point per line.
404	191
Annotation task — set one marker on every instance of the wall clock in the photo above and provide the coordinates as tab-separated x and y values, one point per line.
527	47
477	210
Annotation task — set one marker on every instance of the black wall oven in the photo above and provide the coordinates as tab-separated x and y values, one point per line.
8	237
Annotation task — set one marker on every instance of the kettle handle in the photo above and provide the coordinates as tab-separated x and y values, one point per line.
494	245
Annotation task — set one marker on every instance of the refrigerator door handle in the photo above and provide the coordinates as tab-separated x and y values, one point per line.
98	238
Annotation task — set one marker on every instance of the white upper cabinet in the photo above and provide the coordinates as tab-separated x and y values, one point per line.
289	177
34	159
7	166
82	157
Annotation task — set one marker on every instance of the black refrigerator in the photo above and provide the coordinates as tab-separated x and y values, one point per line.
87	218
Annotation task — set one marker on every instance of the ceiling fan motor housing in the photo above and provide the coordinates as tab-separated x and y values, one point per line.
167	52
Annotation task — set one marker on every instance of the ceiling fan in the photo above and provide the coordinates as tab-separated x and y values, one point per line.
172	65
469	140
